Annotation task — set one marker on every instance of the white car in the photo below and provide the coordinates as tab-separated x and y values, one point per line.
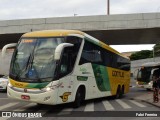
3	83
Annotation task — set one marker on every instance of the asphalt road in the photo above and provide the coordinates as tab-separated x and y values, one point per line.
91	109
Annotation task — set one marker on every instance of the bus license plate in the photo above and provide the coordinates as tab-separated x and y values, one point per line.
25	97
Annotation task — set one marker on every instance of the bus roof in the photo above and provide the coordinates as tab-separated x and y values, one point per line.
151	64
52	33
56	33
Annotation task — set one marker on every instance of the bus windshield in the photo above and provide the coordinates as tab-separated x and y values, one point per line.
144	74
33	60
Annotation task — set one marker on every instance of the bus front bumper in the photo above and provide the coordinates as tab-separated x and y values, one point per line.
32	96
147	86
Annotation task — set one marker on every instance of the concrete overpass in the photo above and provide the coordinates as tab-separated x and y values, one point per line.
123	29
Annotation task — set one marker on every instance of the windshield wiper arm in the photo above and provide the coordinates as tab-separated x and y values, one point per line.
25	68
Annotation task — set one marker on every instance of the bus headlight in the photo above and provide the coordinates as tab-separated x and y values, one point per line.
137	82
46	89
150	83
9	84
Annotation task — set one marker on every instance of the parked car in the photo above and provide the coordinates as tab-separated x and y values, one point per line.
3	83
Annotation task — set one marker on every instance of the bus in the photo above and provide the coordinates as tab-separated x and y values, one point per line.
61	66
145	74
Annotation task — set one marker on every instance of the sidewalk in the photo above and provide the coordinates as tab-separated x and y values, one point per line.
148	98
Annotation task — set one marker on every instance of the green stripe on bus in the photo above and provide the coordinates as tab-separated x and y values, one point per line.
37	85
101	76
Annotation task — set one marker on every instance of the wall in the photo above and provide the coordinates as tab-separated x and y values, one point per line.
137	63
5	63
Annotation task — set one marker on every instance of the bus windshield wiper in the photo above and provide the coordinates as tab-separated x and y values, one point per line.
28	61
24	69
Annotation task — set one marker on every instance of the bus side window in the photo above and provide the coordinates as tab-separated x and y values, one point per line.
91	53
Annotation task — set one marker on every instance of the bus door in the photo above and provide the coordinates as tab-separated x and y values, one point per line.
65	74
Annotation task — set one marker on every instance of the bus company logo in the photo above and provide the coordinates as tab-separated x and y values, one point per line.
117	73
65	95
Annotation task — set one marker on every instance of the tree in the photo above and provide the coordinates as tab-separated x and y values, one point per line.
143	54
156	50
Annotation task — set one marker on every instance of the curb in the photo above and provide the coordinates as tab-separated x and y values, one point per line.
150	103
146	102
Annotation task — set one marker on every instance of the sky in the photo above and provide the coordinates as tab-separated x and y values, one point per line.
26	9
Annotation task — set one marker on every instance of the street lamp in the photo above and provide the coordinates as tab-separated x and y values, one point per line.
153	55
75	14
108	7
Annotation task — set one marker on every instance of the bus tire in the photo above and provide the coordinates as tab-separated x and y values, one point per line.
148	89
78	98
122	90
118	93
5	90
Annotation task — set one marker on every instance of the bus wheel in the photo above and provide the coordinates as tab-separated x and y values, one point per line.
5	89
118	93
148	89
122	91
78	98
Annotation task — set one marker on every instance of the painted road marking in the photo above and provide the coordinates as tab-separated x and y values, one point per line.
136	103
23	108
8	105
123	104
89	107
107	105
66	111
4	118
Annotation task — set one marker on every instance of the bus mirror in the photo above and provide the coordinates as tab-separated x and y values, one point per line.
7	46
59	49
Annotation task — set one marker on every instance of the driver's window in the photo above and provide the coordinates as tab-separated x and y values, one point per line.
67	61
63	69
64	65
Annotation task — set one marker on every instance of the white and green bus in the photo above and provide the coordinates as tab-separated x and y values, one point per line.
62	66
144	75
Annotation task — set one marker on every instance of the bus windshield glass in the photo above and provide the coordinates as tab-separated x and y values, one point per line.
33	60
144	74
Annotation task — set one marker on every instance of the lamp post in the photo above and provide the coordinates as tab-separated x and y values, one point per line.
108	7
75	14
153	55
